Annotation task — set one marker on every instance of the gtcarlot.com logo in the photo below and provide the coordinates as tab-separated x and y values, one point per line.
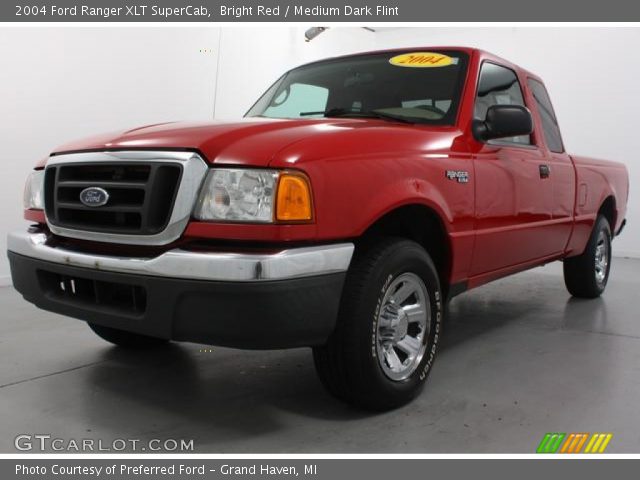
574	443
46	442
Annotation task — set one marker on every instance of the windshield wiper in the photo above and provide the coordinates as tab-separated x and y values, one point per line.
391	116
332	112
344	112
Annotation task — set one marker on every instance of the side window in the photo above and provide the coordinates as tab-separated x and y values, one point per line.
298	98
547	115
499	86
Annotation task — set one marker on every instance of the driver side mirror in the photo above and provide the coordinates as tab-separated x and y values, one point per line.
503	121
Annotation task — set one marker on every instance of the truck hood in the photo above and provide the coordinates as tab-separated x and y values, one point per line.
267	142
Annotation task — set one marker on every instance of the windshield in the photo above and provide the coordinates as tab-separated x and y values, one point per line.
416	87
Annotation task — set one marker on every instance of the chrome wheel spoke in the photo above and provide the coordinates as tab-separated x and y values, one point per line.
392	359
386	317
410	345
404	292
385	323
415	313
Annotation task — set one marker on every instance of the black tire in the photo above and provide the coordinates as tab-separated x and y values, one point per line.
583	278
348	365
126	339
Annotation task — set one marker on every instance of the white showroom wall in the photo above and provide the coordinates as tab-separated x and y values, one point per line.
252	59
592	77
58	84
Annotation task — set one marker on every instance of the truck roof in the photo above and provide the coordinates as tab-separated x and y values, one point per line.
471	51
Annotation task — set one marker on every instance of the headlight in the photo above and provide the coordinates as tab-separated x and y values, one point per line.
254	196
237	194
34	191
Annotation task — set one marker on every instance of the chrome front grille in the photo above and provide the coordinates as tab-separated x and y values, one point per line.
140	196
149	195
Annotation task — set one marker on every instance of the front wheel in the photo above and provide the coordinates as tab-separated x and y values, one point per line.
388	328
586	275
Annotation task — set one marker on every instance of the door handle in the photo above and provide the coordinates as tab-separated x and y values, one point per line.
545	171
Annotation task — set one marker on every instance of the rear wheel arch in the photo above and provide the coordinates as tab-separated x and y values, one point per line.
609	211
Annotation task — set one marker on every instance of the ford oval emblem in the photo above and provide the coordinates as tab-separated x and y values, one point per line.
94	197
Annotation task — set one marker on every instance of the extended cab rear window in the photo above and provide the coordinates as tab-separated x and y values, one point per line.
547	116
410	88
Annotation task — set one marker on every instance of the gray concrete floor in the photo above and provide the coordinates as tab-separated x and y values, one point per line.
519	358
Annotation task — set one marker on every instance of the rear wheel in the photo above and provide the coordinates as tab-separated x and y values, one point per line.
126	339
388	328
586	275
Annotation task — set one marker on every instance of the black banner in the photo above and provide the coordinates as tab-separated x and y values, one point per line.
311	469
318	11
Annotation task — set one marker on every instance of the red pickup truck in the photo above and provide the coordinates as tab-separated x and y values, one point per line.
356	198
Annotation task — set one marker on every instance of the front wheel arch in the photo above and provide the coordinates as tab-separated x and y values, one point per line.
421	224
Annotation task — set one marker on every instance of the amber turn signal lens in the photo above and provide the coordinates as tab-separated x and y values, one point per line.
293	203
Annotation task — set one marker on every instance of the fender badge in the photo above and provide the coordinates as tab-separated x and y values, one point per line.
460	175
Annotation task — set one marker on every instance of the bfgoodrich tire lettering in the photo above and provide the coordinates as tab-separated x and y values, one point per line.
350	365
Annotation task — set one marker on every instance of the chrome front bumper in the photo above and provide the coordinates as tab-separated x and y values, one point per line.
285	299
178	263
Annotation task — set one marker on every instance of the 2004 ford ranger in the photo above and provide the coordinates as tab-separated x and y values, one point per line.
357	197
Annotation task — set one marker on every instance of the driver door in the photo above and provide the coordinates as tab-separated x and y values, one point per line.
513	195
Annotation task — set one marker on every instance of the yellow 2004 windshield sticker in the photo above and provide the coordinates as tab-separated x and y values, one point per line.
421	60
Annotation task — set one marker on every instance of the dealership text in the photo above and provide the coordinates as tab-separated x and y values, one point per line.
240	11
168	470
202	12
107	12
110	470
